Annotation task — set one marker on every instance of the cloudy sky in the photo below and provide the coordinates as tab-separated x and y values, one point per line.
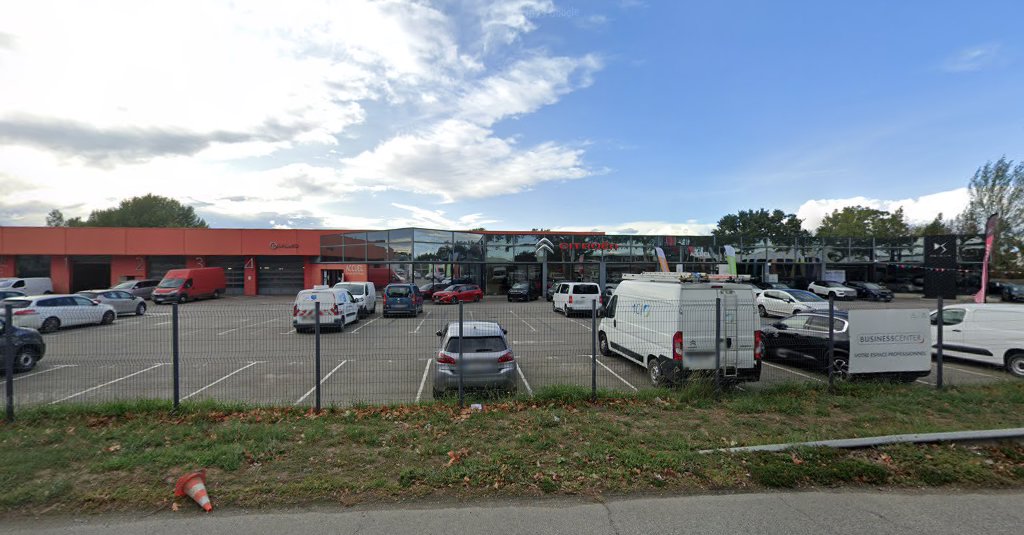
625	115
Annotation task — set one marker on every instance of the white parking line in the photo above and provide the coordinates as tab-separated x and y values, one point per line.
924	382
289	332
264	323
612	372
108	383
587	327
525	382
418	329
251	364
959	369
522	320
792	371
367	323
54	368
326	377
163	323
423	381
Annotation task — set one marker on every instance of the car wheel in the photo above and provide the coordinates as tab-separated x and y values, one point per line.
654	372
478	298
216	294
50	325
762	311
108	318
141	309
509	299
832	295
840	366
602	341
1015	364
182	299
26	359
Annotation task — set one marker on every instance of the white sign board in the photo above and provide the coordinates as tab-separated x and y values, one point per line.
835	275
883	341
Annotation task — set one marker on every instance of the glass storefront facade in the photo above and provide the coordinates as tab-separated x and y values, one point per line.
497	260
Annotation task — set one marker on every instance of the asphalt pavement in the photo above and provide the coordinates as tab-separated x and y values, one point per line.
799	513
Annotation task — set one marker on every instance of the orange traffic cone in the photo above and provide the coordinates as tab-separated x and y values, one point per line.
194	485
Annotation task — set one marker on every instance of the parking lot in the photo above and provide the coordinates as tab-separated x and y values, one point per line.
244	349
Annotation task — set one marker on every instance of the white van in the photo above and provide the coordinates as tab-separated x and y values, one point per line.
667	325
28	286
993	334
365	294
577	297
337	309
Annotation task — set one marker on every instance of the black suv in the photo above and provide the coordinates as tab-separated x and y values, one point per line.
28	348
870	290
521	291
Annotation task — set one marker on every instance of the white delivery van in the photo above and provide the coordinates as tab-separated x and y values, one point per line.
576	297
365	294
665	323
993	334
29	285
337	309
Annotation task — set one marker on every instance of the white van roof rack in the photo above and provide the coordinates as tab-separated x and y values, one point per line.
663	276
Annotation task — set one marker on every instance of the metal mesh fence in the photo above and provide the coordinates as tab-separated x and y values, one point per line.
243	350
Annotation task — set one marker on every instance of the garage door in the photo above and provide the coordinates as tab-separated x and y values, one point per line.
279	275
234	271
159	265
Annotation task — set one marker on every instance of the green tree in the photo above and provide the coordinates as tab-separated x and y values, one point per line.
55	218
752	225
937	227
997	188
146	211
863	222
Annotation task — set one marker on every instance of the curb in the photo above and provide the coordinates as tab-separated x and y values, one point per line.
870	442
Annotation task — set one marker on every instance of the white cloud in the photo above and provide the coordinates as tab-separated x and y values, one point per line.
973	58
664	228
917	210
113	98
422	217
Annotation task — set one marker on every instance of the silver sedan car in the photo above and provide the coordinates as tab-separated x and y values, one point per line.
488	361
122	301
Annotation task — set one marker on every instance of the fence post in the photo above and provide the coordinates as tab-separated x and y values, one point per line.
938	345
593	351
175	354
831	341
718	346
462	392
316	333
9	361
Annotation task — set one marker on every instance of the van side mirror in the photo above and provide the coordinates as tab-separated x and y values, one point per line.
439	333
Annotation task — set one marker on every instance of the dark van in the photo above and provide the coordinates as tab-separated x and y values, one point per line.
402	299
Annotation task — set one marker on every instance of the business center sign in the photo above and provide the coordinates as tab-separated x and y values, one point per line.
886	341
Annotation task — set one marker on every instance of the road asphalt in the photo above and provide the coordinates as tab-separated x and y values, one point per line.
791	513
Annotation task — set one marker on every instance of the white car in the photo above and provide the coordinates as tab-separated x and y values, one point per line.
993	334
29	285
576	297
48	313
337	309
784	303
836	289
365	294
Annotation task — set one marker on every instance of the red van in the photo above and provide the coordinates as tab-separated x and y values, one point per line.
183	285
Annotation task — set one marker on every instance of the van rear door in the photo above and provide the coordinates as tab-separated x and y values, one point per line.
305	307
739	321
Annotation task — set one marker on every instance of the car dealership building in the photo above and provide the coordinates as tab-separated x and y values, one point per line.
279	262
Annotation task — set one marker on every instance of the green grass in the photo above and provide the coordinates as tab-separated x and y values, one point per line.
125	456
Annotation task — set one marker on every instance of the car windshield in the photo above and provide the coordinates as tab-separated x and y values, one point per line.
124	285
476	344
17	303
6	283
871	286
353	288
779	285
804	297
831	284
398	291
520	286
451	289
171	283
90	295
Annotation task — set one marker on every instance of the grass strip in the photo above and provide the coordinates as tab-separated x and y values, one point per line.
126	455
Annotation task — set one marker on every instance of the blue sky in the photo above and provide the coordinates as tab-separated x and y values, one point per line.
619	116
